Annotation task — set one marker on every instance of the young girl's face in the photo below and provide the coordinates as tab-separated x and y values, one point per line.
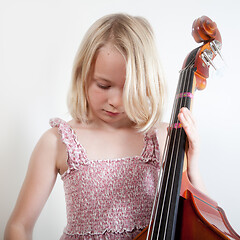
105	88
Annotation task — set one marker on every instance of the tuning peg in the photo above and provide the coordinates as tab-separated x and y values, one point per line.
216	47
207	57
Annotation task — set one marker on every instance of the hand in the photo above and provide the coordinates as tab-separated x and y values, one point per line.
189	126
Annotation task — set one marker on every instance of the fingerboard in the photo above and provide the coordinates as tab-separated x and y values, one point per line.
167	196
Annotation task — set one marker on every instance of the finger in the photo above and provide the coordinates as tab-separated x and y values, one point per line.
185	121
188	123
188	115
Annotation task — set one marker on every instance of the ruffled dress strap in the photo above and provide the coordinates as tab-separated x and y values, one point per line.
151	152
74	149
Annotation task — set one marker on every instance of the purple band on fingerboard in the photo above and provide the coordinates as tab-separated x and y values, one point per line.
186	94
175	125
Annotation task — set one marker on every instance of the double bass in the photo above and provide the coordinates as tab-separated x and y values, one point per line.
180	211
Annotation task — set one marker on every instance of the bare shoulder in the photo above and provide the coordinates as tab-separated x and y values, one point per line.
163	126
162	134
51	136
50	140
50	144
162	131
47	153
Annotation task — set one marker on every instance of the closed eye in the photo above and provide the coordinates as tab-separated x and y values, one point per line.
102	86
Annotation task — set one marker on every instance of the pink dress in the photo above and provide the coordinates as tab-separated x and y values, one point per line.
109	198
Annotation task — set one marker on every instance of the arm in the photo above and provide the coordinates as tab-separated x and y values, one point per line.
37	186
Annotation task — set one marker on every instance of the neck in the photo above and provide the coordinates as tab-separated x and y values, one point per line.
110	127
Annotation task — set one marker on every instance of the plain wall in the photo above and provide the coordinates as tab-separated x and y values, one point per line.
38	41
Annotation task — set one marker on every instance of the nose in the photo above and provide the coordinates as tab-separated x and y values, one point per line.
115	98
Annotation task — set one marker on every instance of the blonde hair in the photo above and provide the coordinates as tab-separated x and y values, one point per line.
143	92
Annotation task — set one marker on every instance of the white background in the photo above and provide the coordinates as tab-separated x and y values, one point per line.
38	41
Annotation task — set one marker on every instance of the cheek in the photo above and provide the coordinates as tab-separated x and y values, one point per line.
96	95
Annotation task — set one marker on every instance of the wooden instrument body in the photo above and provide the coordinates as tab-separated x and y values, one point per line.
199	217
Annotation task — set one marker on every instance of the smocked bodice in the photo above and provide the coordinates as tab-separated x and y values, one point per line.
109	195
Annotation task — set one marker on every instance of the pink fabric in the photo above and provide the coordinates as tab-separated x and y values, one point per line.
109	198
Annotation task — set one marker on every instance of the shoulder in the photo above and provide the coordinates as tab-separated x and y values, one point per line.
161	131
51	137
50	149
51	142
162	126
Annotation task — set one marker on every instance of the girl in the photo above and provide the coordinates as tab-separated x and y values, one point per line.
109	154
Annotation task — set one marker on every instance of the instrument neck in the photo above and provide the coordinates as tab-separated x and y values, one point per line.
165	209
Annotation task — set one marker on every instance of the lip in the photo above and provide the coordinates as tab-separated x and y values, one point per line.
112	114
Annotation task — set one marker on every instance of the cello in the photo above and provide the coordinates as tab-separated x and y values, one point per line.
180	211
